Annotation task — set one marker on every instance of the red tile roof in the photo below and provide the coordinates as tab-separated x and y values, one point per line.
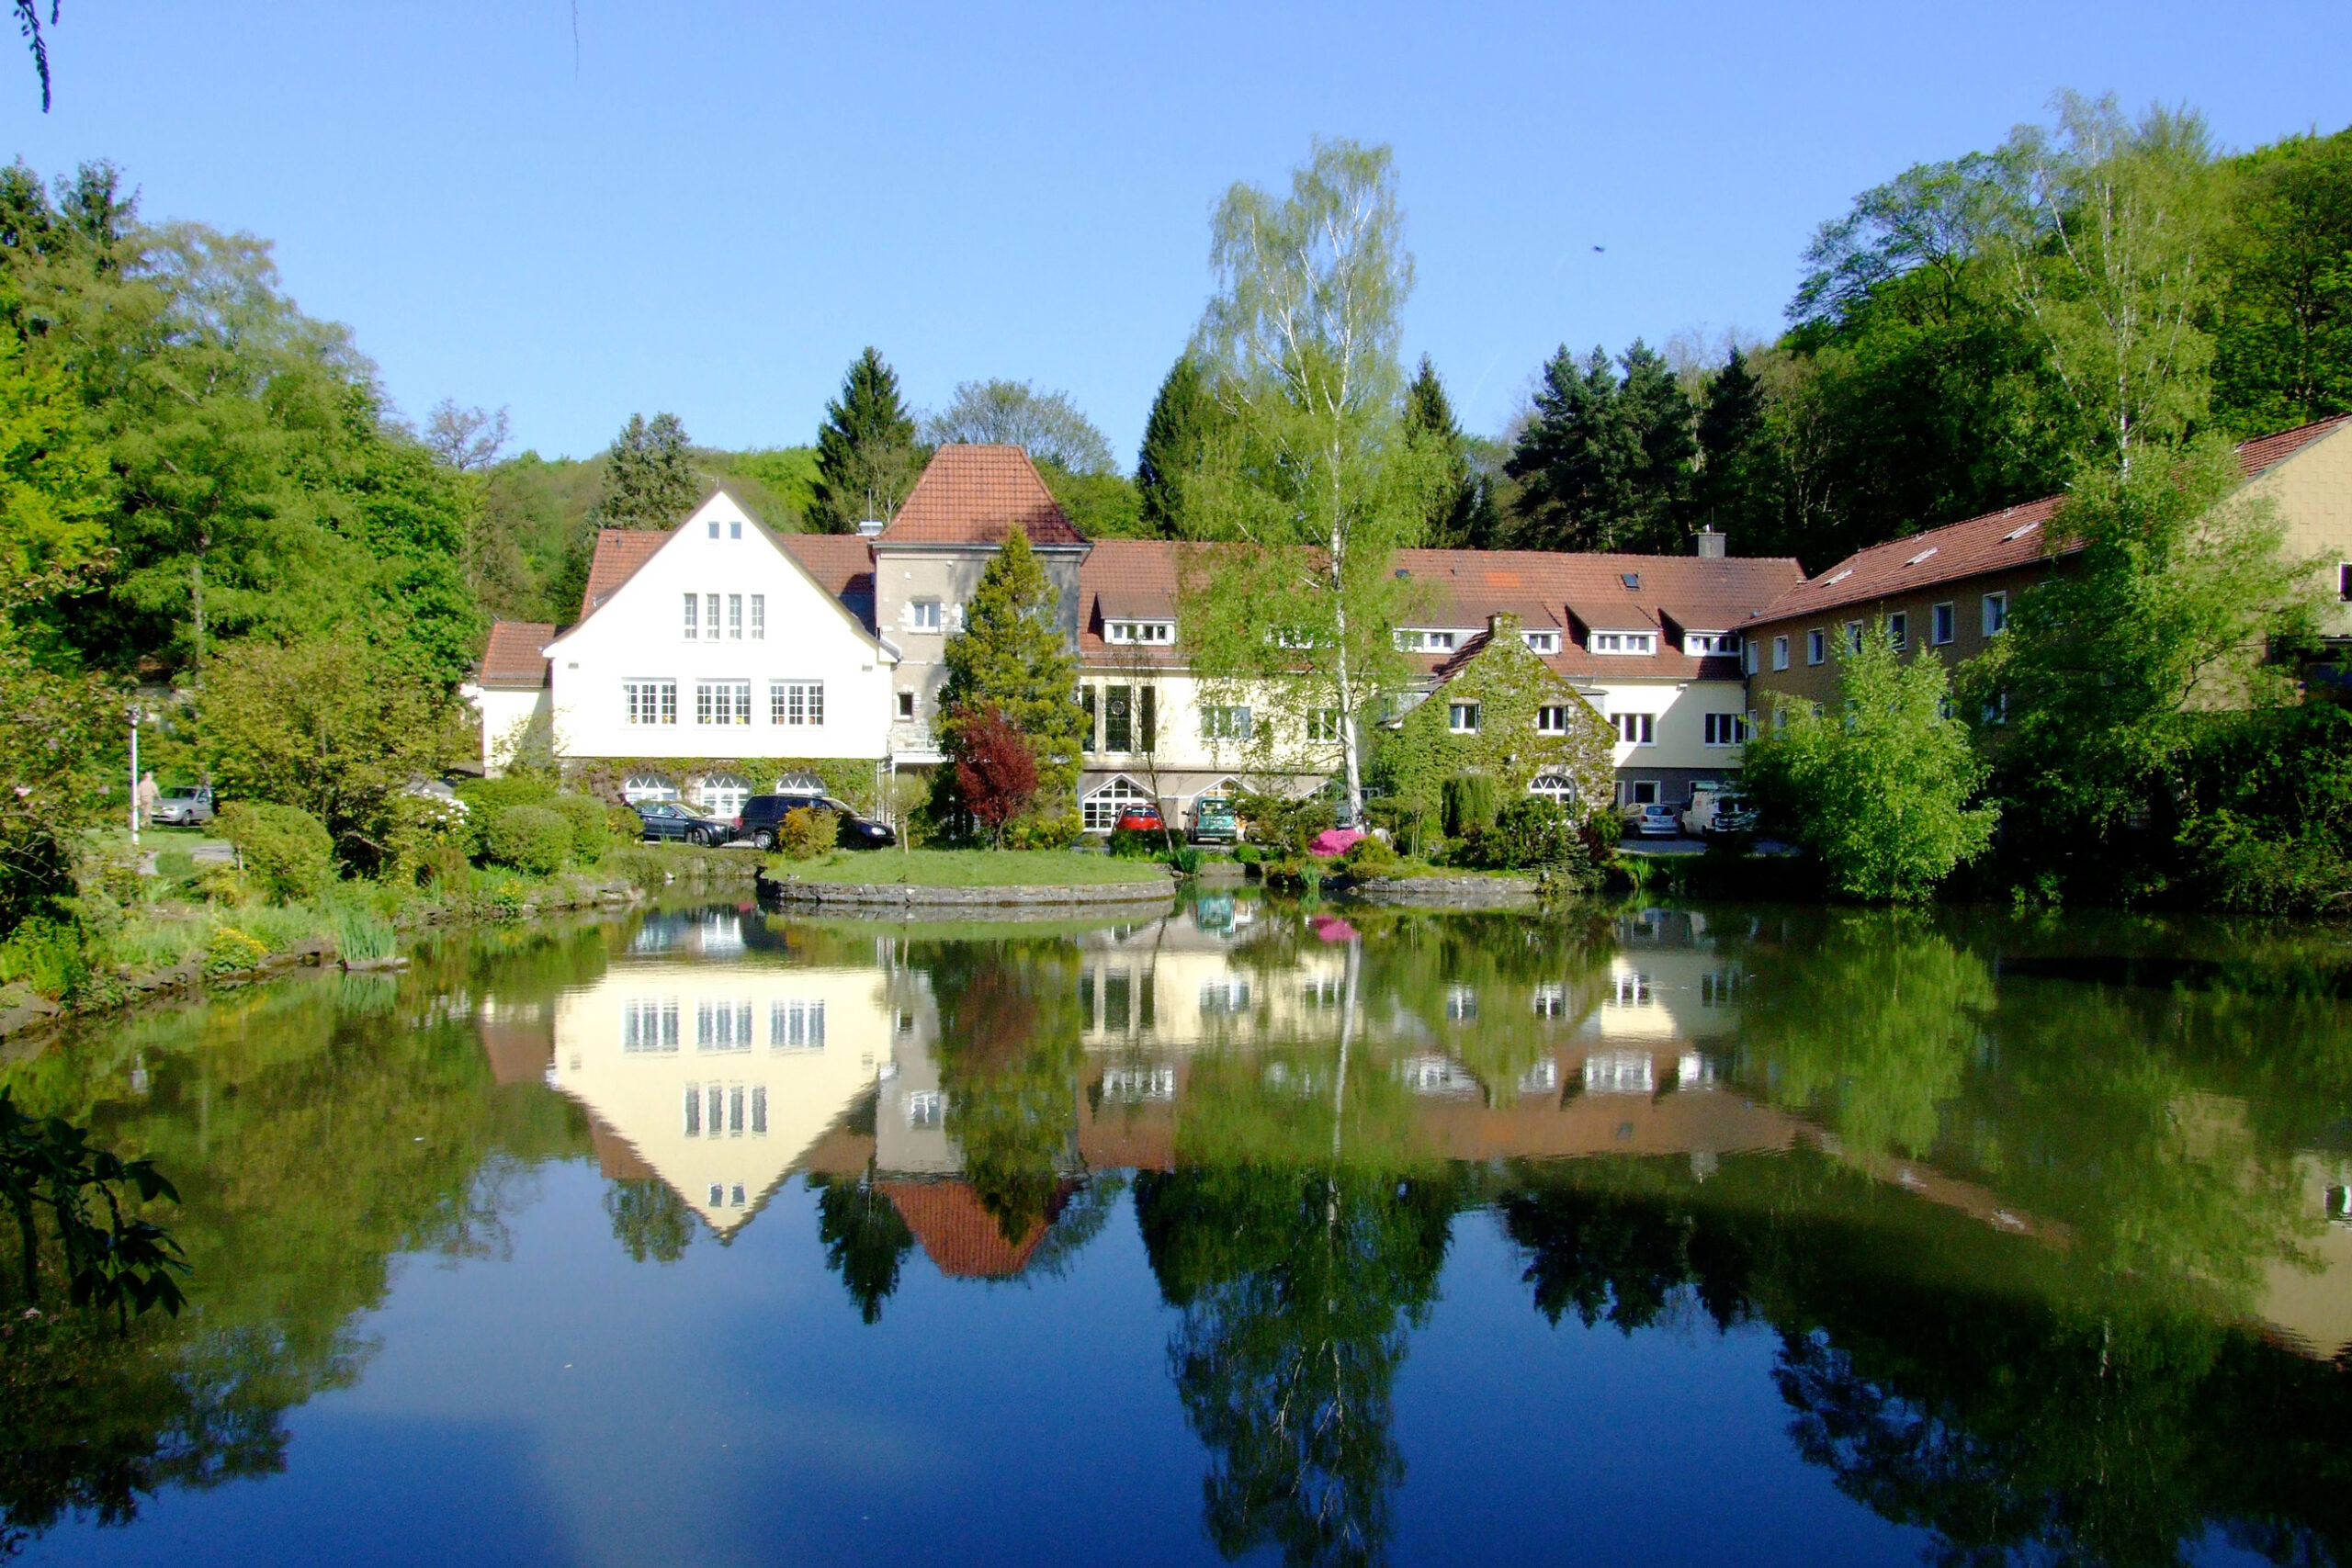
619	552
1997	541
961	1237
1540	587
971	494
512	658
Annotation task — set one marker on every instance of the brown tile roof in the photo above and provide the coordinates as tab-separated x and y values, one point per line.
512	658
1467	586
1997	541
971	494
619	552
961	1237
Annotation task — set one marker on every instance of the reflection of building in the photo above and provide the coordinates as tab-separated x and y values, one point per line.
719	1077
959	1235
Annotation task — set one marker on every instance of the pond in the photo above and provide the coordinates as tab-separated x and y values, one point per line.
1256	1232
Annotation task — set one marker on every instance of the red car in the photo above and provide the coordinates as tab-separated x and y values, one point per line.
1140	820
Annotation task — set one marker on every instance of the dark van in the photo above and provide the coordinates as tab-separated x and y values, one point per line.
763	816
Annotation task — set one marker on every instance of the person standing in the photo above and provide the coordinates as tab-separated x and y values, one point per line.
147	797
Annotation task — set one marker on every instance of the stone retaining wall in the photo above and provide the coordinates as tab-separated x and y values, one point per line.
859	898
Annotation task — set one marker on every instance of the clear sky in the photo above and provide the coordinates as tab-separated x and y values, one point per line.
709	207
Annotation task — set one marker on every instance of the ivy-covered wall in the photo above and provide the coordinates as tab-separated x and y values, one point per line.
1510	685
850	778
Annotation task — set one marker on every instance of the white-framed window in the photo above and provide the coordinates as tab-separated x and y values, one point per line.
1638	792
1996	612
694	613
1747	659
796	702
1625	642
1140	631
1697	644
735	529
639	788
1552	719
905	704
1780	652
1461	718
649	1027
693	1090
1853	636
927	614
650	701
710	618
1898	630
800	783
1942	624
926	1110
1137	1086
759	617
1461	1005
1556	787
797	1025
1635	729
1541	642
722	795
722	702
1817	646
735	617
1727	729
759	1112
722	1026
1323	723
1101	810
1551	1001
1228	998
1222	724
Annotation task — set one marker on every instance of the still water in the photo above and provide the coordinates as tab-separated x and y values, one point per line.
1255	1232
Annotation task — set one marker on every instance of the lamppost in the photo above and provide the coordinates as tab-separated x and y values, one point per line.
134	715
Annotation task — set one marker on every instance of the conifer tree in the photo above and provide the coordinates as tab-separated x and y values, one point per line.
1736	491
1012	659
1462	507
867	456
1606	463
648	475
1175	440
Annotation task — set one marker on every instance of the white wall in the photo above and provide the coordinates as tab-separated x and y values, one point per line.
639	634
1680	710
507	719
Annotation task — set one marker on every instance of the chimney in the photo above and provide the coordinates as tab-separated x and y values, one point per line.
873	526
1710	545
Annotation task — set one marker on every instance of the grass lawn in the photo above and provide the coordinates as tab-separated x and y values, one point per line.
971	868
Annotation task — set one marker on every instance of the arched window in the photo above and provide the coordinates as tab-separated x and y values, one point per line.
1102	809
722	795
800	783
639	788
1558	787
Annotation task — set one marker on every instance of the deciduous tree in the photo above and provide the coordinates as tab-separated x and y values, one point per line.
1014	413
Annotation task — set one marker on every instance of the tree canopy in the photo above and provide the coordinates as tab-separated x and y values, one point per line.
867	456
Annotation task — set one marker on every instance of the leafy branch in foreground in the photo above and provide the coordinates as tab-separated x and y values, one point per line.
123	1263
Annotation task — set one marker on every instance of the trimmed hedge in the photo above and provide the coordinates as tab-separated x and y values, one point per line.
591	824
531	839
285	848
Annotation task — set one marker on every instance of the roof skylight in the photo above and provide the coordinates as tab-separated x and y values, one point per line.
1923	554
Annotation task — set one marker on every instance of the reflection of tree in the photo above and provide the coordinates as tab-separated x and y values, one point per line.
1009	1025
865	1241
1297	1291
1422	963
650	1220
1611	1254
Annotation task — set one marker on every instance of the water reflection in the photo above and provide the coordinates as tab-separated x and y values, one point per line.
2047	1224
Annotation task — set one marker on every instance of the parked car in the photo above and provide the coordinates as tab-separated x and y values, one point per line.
763	815
668	820
184	807
1144	818
1719	812
1655	821
1212	821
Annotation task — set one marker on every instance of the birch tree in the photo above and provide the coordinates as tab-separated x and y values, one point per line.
1313	479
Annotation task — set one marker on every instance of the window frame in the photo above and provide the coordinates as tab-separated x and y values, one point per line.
1995	613
1898	628
1781	651
1544	718
797	704
1723	729
928	615
1542	643
1641	729
1817	646
1943	623
661	700
722	703
1461	718
1625	645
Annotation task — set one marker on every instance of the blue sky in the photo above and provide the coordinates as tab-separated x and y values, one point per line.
709	208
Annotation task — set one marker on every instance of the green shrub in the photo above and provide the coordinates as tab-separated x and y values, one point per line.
231	952
488	798
1186	860
285	850
592	832
1282	825
1530	832
175	865
807	832
530	839
1248	854
50	956
361	934
1138	843
625	825
1044	830
1370	857
1468	802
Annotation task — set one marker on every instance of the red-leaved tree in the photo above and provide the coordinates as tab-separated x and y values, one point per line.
994	771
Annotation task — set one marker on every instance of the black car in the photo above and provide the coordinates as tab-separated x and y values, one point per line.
668	820
763	817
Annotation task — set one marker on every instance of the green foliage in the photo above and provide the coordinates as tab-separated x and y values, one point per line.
229	951
591	822
49	1170
53	479
2265	802
1879	787
514	787
650	1220
361	935
1281	822
1045	830
50	956
1101	506
1012	660
648	475
2282	322
1047	426
807	832
1468	803
1137	843
1176	437
1369	857
535	840
337	730
868	458
1605	464
1533	833
284	848
865	1239
1461	509
2108	670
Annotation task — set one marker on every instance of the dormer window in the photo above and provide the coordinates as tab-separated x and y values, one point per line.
1140	631
1541	642
1698	645
1625	642
1419	640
